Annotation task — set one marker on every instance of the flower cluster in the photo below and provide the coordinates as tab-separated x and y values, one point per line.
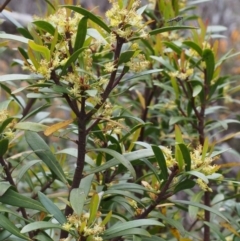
184	74
79	224
203	165
126	21
138	63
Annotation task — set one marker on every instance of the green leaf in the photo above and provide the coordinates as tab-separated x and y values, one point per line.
208	57
142	74
161	162
179	157
40	225
175	119
46	26
173	46
92	32
129	156
170	221
132	231
14	37
186	156
3	146
183	185
41	49
107	218
205	148
89	15
25	168
112	192
30	126
5	123
81	34
152	168
192	210
6	224
196	90
71	59
93	208
131	187
120	158
25	33
52	208
13	77
4	209
178	134
77	200
13	198
54	41
43	151
43	236
4	234
170	28
119	227
4	186
125	56
199	175
86	184
212	210
194	46
35	111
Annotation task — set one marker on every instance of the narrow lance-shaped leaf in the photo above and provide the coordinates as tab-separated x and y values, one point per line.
107	218
15	199
126	56
208	57
186	184
55	127
120	158
43	151
46	26
170	28
54	41
205	148
81	34
186	156
3	146
39	225
194	46
178	153
34	59
132	224
39	48
212	210
77	200
6	224
93	208
90	15
14	37
71	60
161	162
52	208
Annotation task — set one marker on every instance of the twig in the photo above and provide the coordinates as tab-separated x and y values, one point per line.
161	195
4	5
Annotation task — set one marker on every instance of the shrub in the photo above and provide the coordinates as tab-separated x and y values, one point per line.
110	123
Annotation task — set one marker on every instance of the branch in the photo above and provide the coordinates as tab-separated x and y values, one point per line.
162	195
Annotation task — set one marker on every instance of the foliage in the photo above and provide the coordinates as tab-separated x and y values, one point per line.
109	132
